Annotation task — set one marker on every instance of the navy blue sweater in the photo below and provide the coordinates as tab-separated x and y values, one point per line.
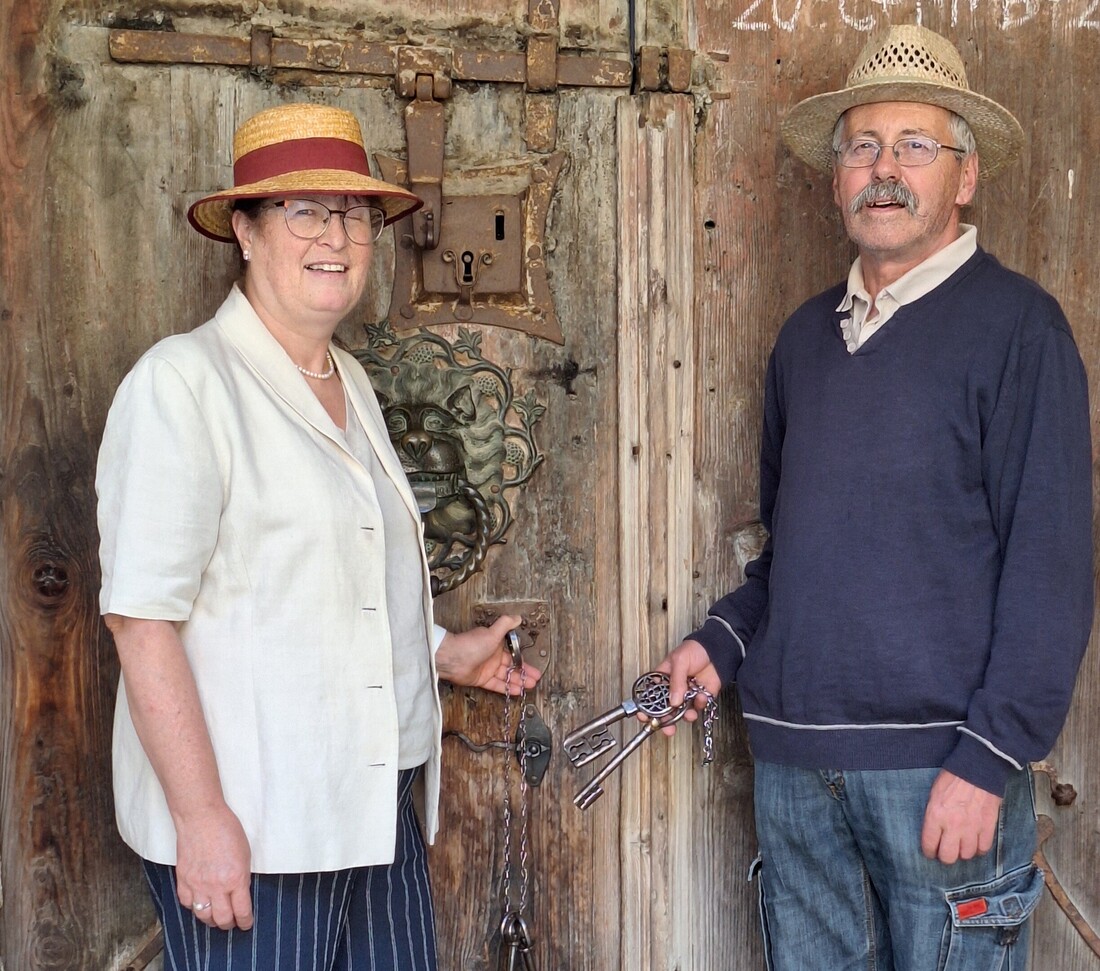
925	595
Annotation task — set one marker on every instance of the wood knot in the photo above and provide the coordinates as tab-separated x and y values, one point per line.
50	581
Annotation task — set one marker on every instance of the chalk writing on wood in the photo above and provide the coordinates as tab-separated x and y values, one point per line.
868	15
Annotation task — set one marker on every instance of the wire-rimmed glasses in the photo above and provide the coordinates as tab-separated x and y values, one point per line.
862	153
307	219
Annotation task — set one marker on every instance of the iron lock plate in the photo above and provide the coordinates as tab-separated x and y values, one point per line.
534	745
479	249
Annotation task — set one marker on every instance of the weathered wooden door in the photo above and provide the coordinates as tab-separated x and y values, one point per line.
673	235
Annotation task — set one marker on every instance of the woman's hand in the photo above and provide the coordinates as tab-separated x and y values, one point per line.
213	864
479	658
213	854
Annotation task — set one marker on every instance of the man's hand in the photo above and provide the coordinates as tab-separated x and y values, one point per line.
960	820
689	660
479	658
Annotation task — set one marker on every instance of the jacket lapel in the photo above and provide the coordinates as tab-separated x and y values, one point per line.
266	357
361	397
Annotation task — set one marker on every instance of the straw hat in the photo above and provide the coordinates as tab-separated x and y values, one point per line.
298	148
905	63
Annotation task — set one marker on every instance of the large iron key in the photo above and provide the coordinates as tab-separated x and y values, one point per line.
649	696
591	792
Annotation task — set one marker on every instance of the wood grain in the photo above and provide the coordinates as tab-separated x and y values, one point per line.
680	236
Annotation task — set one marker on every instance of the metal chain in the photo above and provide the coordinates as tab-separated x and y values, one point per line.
506	877
710	711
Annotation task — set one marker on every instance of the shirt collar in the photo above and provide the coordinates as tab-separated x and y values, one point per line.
922	279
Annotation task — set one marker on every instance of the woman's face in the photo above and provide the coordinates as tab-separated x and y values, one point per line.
303	285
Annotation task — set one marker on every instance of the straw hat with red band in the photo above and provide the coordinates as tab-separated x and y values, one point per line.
905	63
298	148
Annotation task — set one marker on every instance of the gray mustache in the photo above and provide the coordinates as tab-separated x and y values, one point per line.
885	192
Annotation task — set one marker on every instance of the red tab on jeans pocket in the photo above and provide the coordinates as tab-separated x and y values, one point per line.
972	908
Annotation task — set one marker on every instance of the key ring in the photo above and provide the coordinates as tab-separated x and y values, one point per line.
514	930
671	719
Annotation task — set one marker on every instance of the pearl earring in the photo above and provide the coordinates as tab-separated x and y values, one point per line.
246	255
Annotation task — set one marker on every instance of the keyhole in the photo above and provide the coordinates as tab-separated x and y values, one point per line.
467	267
500	225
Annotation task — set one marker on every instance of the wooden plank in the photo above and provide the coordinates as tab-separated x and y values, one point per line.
68	897
634	538
656	465
554	554
676	376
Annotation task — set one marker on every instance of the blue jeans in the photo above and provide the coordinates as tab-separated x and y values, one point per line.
844	885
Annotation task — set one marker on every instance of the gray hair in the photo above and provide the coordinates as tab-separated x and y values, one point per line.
961	135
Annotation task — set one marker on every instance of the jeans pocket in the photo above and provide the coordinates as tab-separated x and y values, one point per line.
987	921
762	900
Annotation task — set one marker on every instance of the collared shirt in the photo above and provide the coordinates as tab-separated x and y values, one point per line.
923	278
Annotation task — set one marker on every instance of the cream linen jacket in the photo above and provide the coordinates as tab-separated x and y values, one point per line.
229	502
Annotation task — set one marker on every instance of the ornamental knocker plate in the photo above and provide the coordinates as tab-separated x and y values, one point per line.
462	436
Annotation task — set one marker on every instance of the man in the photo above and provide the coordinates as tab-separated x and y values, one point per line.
909	638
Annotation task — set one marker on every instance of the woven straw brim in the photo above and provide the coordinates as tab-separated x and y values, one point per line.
212	215
808	128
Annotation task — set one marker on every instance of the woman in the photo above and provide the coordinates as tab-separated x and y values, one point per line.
265	584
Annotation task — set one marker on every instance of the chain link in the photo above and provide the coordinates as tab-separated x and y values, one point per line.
507	905
710	711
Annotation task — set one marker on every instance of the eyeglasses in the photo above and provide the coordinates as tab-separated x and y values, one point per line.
861	153
308	220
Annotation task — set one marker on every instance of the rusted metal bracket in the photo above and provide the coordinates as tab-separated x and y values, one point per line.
534	745
542	67
262	48
1058	892
424	75
665	69
148	947
1062	794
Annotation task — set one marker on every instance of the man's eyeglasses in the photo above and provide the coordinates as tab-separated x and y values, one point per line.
308	220
861	153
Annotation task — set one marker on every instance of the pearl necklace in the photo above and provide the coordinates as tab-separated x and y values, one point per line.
320	375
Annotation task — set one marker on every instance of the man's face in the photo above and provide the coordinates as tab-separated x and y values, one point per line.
890	235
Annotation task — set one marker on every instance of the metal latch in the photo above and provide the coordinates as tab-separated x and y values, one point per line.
534	745
424	74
